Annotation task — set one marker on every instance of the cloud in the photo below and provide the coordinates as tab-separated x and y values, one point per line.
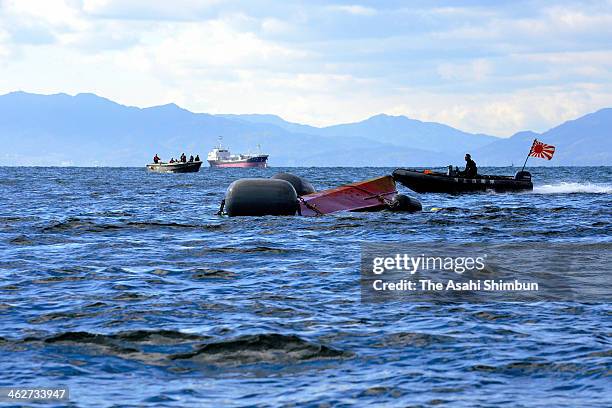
354	9
479	66
188	10
475	70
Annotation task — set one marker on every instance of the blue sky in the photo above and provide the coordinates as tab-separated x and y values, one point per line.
481	66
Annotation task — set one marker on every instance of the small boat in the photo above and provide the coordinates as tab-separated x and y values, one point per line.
176	167
428	181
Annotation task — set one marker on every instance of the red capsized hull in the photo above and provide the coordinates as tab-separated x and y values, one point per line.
239	164
369	195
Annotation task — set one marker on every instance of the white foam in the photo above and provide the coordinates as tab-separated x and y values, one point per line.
569	188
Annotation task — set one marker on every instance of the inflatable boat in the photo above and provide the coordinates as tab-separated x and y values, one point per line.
287	194
176	167
428	181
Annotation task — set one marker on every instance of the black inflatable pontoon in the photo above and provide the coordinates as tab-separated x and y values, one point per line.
434	182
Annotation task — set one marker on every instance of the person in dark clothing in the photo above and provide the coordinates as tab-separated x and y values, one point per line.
191	158
156	159
183	158
470	167
197	157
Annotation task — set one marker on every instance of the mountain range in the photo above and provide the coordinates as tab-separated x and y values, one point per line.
88	130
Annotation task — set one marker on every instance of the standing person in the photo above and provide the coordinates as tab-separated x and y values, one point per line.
470	167
156	159
183	158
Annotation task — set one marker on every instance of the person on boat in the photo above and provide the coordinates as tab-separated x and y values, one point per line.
197	157
172	160
156	159
191	158
470	167
183	158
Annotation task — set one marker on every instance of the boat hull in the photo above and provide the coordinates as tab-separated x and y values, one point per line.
442	183
257	161
188	167
237	164
369	195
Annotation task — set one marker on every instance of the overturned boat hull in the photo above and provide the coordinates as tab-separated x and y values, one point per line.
434	182
287	194
370	195
180	167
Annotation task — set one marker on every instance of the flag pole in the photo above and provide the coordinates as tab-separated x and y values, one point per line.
527	158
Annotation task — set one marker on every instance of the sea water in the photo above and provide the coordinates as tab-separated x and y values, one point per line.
126	287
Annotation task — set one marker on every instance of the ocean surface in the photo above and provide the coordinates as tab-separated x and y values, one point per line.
127	288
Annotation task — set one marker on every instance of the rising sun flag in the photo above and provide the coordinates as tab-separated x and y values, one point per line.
541	150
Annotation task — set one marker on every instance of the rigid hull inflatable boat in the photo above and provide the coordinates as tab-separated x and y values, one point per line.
428	181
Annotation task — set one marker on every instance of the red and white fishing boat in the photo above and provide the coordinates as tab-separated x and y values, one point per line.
221	157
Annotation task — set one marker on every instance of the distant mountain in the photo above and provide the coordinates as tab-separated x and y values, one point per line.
88	130
273	120
405	132
409	135
586	141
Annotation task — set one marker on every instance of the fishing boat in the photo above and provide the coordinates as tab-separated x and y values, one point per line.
175	167
428	181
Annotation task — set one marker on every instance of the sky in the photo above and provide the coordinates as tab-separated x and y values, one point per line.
481	66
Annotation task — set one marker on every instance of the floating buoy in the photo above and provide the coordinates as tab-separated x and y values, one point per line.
252	197
402	202
301	186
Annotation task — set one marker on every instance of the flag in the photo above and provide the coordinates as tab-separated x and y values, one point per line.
541	150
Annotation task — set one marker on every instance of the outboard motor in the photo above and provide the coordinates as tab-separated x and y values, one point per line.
401	203
252	196
301	186
522	176
452	172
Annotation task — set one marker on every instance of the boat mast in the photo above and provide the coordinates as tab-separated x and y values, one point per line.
527	158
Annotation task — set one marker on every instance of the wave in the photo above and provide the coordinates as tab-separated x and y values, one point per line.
261	348
405	339
83	225
174	347
572	188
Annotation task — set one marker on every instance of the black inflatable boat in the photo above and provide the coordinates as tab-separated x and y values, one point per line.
428	181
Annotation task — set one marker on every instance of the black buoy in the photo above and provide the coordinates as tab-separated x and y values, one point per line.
402	202
252	196
301	186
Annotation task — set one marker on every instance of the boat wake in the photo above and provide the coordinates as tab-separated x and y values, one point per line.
570	188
